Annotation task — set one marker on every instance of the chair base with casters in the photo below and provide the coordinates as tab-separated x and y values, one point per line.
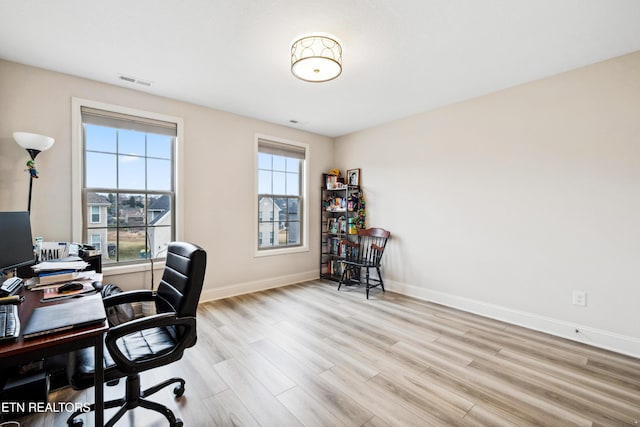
145	343
135	398
364	254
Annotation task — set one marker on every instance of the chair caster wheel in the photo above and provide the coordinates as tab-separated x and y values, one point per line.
178	391
178	423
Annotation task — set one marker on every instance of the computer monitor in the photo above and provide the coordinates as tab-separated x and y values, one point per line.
16	242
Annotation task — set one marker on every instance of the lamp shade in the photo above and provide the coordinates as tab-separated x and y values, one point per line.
33	141
316	58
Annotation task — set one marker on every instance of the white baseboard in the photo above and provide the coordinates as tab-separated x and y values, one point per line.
587	335
255	286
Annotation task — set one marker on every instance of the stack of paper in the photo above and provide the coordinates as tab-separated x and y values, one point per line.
59	271
60	265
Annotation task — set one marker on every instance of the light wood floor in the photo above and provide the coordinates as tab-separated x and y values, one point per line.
309	355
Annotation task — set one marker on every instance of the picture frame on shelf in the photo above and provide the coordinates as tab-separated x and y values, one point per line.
353	177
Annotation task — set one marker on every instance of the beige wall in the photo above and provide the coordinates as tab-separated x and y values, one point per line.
218	178
501	205
507	203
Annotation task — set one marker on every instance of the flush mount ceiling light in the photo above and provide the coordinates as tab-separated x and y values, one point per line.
316	58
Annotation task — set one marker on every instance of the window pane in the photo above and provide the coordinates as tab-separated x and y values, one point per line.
100	138
280	209
131	142
131	244
159	239
131	172
159	146
279	163
160	220
293	165
131	219
264	182
100	170
266	229
293	233
293	184
264	161
158	175
159	210
292	209
100	209
279	183
131	212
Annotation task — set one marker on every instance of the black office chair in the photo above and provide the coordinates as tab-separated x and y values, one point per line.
365	253
148	342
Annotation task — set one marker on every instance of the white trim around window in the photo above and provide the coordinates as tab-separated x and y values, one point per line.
77	168
304	247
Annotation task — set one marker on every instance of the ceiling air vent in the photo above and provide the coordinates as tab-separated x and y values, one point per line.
134	80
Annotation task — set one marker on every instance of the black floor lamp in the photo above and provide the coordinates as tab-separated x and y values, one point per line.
34	144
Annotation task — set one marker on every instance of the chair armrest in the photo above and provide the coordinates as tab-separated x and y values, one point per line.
128	297
158	320
349	243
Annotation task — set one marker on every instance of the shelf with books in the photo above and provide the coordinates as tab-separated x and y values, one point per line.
343	214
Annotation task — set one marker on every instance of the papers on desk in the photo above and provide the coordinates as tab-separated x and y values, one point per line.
60	265
64	276
81	276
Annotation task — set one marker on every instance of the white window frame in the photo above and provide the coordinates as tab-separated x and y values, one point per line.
77	167
304	186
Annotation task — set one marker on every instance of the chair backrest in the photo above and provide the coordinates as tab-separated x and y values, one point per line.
182	280
371	244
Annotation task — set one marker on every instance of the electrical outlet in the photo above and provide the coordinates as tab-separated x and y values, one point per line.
580	298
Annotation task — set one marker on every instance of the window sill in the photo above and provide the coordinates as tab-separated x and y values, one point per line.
284	251
116	270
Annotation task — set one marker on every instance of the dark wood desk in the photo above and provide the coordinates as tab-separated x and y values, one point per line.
29	350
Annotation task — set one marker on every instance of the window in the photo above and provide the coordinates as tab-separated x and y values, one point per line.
95	214
96	241
128	184
281	195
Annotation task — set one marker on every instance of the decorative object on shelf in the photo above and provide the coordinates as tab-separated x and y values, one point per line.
353	177
361	219
333	180
316	58
34	144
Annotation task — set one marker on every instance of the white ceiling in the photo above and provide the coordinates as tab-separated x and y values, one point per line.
401	57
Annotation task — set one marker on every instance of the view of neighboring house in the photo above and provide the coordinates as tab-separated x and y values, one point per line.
97	221
268	226
132	223
278	225
159	219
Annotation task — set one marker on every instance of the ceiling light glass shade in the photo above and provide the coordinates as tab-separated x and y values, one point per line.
316	58
33	141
